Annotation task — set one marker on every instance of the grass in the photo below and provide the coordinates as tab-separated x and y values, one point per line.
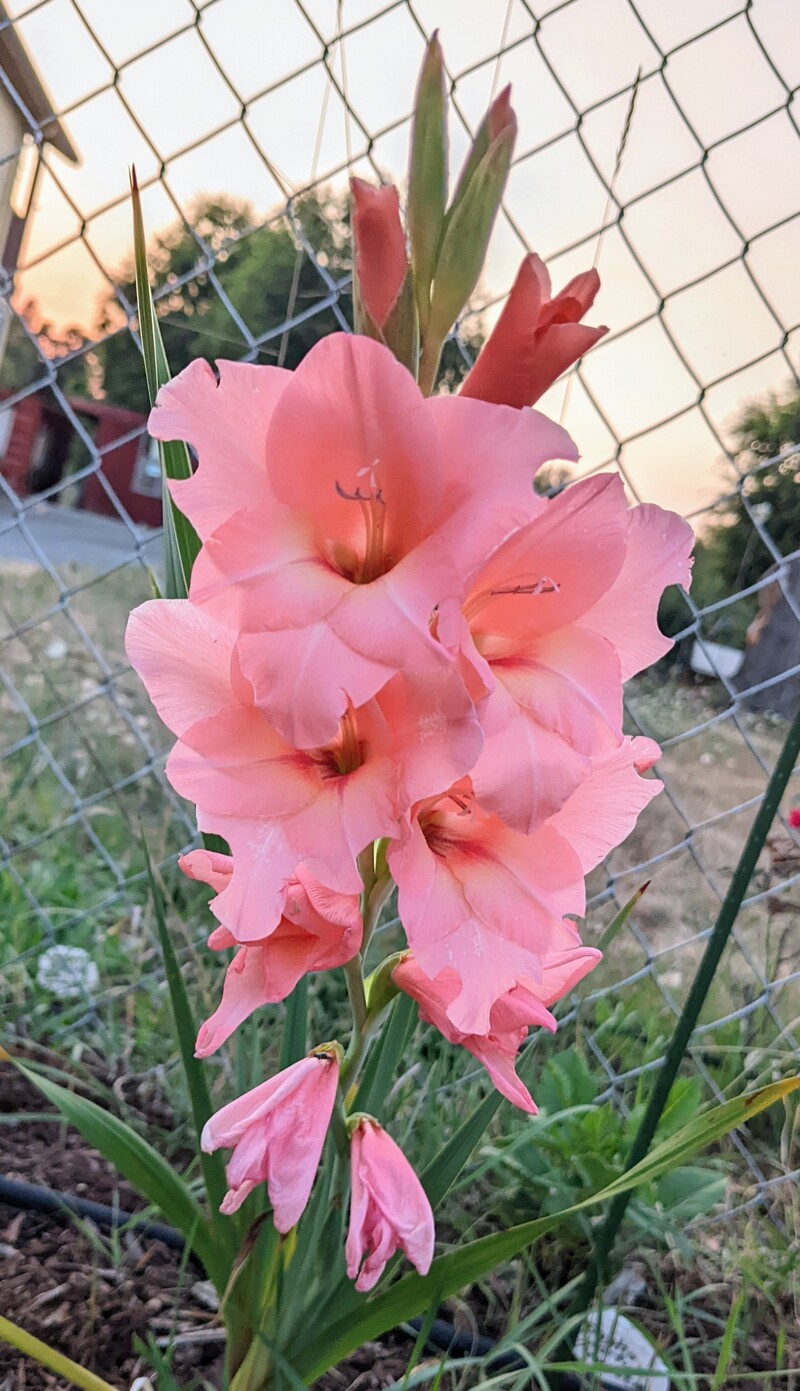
84	790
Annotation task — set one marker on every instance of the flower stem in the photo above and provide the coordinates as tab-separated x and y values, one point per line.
695	1000
429	365
355	991
377	886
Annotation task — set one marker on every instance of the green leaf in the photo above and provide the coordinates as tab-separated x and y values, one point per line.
186	1029
443	1171
149	1349
728	1340
382	1061
685	1100
616	925
49	1358
294	1042
181	542
687	1192
140	1164
427	174
451	1272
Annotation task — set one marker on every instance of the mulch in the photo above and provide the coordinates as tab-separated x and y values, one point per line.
87	1292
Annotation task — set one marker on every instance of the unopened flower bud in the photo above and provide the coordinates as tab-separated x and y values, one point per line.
428	173
389	1209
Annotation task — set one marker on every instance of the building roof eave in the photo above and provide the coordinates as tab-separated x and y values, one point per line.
20	74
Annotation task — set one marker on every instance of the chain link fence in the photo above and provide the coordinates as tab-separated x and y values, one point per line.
657	143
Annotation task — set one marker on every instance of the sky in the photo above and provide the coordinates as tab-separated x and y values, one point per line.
700	277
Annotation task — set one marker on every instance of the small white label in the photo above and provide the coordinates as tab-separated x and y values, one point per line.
632	1362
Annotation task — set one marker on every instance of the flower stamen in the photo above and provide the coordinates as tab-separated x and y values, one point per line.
544	585
373	506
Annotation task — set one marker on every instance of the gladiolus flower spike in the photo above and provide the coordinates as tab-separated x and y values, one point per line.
400	666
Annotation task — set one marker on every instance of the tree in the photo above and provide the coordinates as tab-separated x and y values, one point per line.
265	274
32	344
769	497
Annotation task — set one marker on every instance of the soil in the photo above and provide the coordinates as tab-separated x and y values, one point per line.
90	1294
85	1292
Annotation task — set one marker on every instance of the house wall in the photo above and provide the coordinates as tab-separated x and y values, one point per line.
12	128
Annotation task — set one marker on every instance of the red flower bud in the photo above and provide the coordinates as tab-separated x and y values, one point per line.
380	248
535	339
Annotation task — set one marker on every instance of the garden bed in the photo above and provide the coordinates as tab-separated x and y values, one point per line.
92	1293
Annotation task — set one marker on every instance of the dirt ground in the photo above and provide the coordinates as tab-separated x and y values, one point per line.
90	1294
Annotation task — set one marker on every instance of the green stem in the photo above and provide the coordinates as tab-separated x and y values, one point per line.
377	887
701	984
429	365
358	1000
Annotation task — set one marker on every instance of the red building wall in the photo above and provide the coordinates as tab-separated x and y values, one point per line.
118	463
123	465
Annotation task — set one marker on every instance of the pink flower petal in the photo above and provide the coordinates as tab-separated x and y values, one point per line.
535	339
184	659
277	1132
553	569
227	425
603	809
207	866
658	553
485	901
526	771
352	420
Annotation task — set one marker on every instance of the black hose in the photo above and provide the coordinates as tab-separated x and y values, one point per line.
30	1197
442	1336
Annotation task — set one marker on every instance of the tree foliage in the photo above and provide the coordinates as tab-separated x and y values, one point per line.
263	272
769	497
33	345
731	553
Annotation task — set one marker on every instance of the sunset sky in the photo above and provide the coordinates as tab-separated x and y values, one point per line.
183	72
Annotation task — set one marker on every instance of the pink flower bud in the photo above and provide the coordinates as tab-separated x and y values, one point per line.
535	339
500	115
276	1132
794	818
380	248
389	1210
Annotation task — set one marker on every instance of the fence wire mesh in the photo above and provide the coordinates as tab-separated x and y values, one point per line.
657	143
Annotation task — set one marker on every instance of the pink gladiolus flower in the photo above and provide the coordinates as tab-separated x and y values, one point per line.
276	1132
510	1018
318	931
372	504
381	263
483	906
553	621
484	901
535	339
389	1210
277	806
604	808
